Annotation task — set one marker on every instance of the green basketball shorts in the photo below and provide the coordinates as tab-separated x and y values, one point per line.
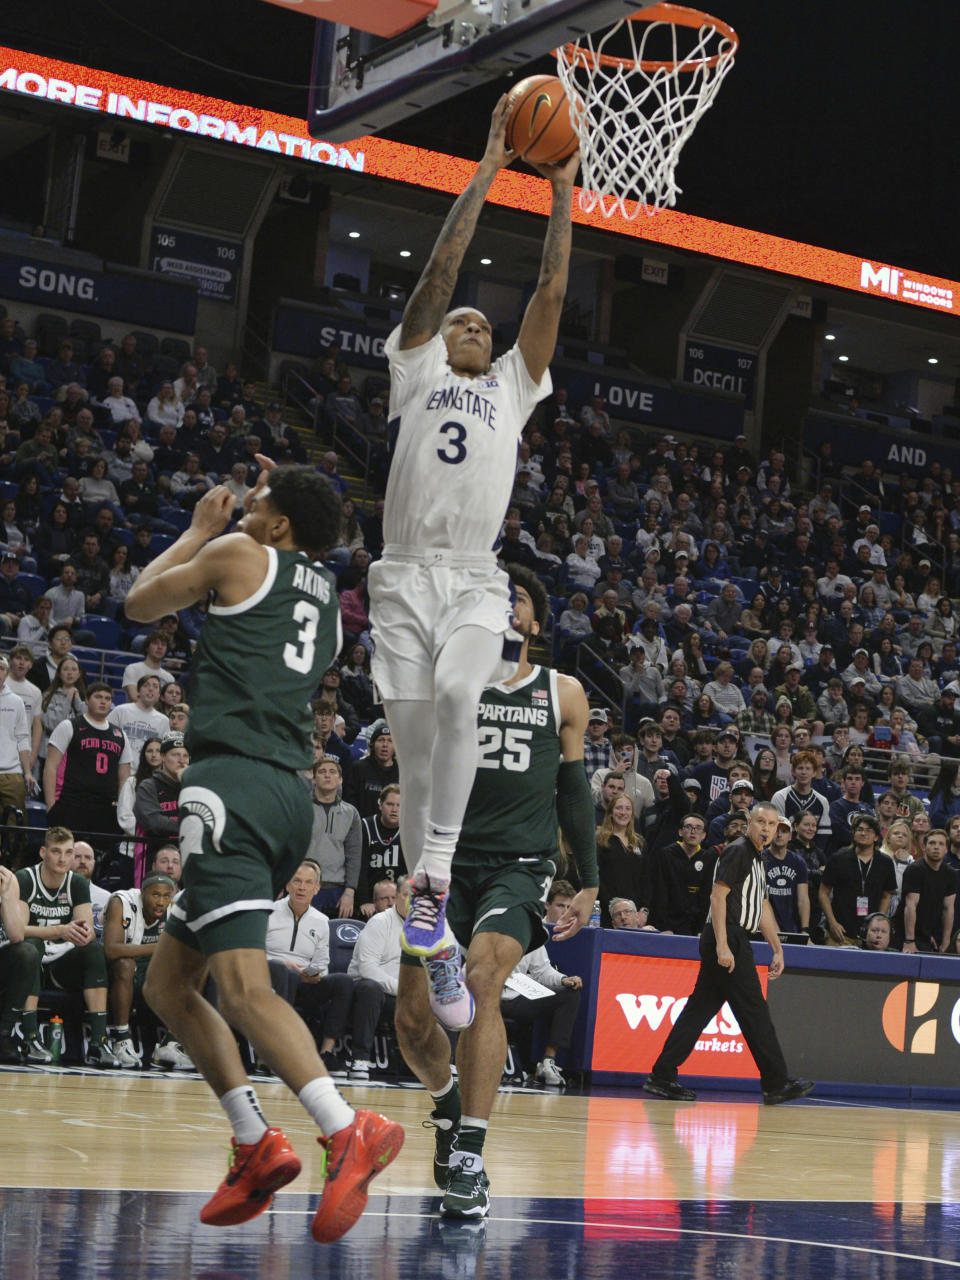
500	894
245	826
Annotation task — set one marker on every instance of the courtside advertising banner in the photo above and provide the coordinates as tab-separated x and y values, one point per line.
640	998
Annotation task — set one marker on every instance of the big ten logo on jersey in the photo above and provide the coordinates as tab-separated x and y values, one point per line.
639	998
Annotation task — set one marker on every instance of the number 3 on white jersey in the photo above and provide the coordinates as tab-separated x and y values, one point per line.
299	657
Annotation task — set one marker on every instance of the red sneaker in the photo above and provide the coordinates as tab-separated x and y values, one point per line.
352	1157
256	1171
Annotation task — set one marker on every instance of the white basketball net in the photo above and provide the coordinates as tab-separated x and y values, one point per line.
634	108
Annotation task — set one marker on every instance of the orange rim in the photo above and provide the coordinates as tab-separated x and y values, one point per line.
676	14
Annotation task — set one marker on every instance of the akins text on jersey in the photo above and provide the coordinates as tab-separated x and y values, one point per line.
309	580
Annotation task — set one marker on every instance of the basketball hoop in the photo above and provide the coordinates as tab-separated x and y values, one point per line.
637	93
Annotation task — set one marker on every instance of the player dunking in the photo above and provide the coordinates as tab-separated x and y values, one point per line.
440	608
502	871
245	822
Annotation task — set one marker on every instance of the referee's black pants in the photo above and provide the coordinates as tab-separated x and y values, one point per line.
742	991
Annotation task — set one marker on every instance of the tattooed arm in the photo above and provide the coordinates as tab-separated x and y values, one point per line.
430	299
538	333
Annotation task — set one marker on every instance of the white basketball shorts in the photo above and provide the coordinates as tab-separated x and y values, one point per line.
418	599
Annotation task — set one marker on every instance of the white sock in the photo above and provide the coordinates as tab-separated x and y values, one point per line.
439	846
442	1093
326	1106
243	1111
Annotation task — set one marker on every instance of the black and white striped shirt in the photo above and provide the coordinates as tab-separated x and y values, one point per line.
741	867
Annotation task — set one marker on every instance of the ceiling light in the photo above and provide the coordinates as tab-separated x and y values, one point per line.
932	360
404	253
354	235
485	262
829	337
843	359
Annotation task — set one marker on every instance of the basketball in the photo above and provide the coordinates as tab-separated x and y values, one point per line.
538	127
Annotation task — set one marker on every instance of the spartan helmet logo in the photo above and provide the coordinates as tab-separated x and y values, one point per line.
200	810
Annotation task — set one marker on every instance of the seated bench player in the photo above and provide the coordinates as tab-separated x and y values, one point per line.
134	921
61	927
19	966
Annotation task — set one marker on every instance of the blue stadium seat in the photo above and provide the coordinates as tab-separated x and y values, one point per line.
343	937
8	490
36	814
159	542
106	630
88	330
176	516
34	583
148	344
176	348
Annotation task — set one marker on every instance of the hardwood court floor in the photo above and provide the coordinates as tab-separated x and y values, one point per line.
608	1183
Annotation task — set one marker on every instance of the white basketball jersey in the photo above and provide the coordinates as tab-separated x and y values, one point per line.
454	446
135	931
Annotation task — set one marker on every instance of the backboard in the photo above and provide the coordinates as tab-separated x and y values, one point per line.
364	83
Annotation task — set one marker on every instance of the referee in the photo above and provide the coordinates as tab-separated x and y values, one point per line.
738	907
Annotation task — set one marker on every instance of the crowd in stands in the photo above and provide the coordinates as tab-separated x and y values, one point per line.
742	634
747	636
104	451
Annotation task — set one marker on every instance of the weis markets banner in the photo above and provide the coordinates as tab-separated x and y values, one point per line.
639	998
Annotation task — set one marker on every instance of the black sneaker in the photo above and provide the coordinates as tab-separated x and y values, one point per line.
9	1048
468	1191
101	1055
335	1065
444	1146
789	1092
672	1090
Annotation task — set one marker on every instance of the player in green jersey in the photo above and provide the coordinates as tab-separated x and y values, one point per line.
530	780
245	822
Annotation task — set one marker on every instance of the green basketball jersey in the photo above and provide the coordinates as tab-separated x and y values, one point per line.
513	804
258	663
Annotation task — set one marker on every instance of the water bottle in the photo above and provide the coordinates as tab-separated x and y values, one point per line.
595	916
56	1039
